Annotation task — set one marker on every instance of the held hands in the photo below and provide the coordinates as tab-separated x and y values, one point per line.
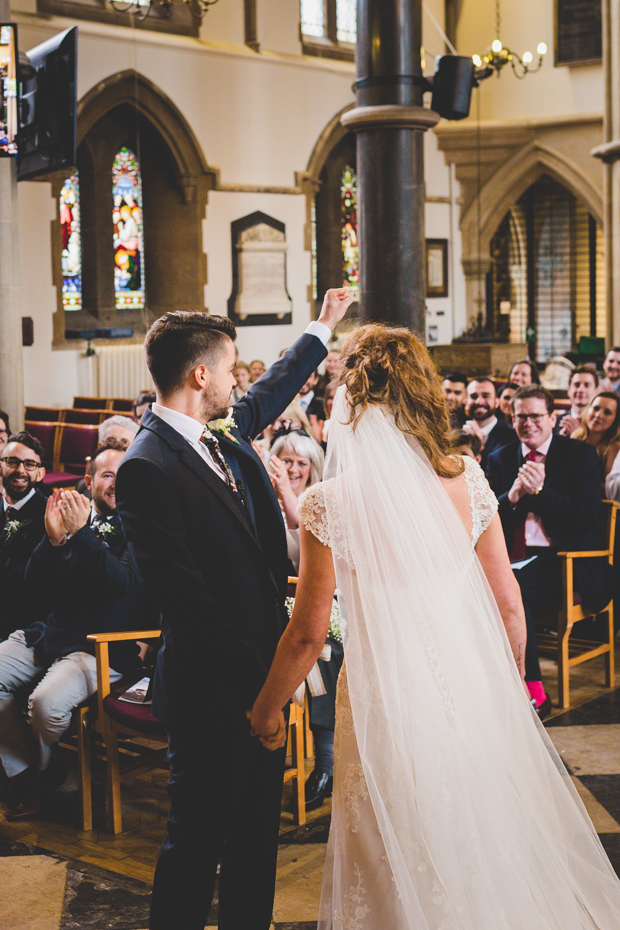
65	514
271	730
530	480
335	304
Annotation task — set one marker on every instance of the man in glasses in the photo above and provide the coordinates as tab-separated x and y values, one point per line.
22	526
549	492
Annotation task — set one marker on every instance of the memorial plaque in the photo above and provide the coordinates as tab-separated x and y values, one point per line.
259	293
578	32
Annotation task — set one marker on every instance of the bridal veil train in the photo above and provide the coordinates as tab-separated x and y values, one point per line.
452	809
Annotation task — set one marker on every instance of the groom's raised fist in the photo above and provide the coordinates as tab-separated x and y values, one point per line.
336	302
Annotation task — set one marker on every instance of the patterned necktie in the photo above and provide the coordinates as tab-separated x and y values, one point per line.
517	550
11	513
216	454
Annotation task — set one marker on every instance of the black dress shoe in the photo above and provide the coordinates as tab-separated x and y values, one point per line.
543	710
318	787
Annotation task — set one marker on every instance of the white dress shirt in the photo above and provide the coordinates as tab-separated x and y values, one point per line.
191	430
485	430
534	531
19	504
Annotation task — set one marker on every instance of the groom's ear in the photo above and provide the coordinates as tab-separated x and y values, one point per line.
199	377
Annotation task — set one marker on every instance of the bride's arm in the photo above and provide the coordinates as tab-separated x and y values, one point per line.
303	639
491	550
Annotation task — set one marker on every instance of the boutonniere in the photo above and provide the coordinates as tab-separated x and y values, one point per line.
13	527
106	531
223	428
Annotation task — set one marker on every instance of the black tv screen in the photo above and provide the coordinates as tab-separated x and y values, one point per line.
9	90
48	110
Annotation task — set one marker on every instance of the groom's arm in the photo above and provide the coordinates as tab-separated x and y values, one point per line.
266	399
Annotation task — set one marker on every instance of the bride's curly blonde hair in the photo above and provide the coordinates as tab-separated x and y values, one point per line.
387	365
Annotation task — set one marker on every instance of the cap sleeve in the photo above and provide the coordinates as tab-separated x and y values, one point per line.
312	513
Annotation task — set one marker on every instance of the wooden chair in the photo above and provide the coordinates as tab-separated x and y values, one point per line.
569	651
88	416
43	414
122	404
92	403
297	772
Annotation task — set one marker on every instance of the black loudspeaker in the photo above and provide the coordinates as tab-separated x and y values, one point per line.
452	85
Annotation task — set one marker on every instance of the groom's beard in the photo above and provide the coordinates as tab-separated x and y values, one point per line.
214	406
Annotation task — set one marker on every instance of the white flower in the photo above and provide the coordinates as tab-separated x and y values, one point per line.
12	528
223	426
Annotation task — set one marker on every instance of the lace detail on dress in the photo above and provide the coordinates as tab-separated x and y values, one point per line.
314	506
355	911
482	500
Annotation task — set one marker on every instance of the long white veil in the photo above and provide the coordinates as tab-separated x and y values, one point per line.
476	816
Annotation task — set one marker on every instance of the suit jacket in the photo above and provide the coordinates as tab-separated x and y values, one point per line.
569	506
20	603
93	587
500	435
216	570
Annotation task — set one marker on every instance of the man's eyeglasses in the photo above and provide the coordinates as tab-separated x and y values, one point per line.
536	418
29	464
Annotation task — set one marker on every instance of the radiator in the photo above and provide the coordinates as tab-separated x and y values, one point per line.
122	371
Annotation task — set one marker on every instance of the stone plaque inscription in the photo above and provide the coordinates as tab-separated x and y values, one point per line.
261	256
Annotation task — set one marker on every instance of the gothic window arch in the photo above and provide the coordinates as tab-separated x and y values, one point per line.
71	243
128	235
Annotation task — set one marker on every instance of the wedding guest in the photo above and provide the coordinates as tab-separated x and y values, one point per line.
333	363
5	432
291	418
611	367
505	401
582	386
600	427
257	370
524	372
328	403
243	378
466	443
481	408
454	387
93	586
549	492
21	528
312	405
141	403
118	427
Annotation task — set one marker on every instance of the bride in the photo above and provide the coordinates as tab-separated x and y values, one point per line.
451	809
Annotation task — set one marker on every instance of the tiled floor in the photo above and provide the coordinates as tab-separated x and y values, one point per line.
52	877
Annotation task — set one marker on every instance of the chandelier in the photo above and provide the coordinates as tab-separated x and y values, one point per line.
497	56
141	8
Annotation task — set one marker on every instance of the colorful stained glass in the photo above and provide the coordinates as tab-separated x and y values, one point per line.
312	18
69	206
348	216
346	20
128	236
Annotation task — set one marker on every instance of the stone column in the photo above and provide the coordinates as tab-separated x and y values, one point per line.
11	361
609	152
390	121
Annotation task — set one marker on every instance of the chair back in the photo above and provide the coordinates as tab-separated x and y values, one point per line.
122	404
78	415
92	403
43	414
46	433
611	514
77	441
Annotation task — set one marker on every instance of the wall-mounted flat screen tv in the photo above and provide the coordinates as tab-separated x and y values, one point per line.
48	108
9	90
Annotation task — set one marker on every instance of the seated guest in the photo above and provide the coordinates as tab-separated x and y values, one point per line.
243	379
93	586
582	387
454	387
524	372
611	367
505	401
118	427
5	432
21	528
312	405
549	492
600	426
257	370
481	408
333	362
141	402
465	443
291	418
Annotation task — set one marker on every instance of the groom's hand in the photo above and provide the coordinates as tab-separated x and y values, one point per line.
270	730
335	304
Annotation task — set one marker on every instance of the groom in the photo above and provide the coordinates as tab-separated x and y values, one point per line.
207	534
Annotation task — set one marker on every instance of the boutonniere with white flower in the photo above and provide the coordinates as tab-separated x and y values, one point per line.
223	427
106	531
13	528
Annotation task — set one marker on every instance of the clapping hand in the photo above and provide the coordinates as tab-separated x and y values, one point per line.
271	730
336	302
279	478
530	480
568	425
472	427
66	513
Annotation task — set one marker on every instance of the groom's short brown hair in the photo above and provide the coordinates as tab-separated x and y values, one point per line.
177	342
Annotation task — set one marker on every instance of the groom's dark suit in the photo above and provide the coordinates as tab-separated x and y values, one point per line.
218	572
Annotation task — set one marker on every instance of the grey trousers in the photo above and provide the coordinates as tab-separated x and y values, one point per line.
57	690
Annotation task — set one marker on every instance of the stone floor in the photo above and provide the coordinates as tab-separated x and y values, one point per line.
53	877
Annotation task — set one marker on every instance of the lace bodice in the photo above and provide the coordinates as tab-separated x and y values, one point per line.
319	498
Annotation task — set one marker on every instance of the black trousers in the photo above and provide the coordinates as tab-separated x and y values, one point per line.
541	586
225	792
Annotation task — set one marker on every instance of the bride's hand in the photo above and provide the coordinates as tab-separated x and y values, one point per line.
270	729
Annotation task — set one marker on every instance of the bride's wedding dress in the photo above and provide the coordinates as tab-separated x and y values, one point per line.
451	809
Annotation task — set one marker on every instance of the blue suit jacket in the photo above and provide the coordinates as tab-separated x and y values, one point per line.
217	575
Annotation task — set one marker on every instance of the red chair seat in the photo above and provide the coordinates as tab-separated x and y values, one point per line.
61	479
133	716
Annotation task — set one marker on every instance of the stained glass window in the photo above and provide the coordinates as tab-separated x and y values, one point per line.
128	237
312	17
346	20
69	205
348	217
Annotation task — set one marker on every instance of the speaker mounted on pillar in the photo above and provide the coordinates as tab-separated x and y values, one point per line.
453	81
